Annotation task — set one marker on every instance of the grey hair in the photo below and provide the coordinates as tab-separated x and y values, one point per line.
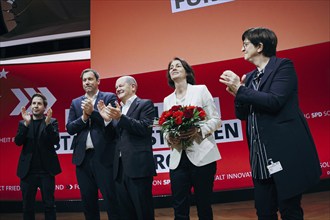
130	80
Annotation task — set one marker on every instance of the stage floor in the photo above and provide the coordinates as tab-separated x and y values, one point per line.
316	207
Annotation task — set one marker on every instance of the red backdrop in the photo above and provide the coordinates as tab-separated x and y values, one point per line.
61	82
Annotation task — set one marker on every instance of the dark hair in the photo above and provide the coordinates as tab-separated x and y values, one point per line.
96	74
44	99
262	35
187	67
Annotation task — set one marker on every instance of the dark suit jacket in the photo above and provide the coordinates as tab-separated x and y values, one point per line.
48	137
282	126
102	137
134	140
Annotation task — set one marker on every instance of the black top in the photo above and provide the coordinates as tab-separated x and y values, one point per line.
36	163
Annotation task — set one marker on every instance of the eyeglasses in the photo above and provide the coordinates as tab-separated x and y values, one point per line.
245	44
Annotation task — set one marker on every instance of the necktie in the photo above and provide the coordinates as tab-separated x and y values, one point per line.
258	155
256	79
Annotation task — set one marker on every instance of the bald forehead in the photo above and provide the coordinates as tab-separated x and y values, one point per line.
126	79
121	79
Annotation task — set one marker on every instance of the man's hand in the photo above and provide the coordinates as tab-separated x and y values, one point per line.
115	113
49	114
87	107
104	110
26	116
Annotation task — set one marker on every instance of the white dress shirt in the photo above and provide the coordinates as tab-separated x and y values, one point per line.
89	142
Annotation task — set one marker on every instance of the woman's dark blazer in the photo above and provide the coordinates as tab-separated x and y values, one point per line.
282	126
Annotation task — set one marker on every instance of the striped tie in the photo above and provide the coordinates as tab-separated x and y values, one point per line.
256	79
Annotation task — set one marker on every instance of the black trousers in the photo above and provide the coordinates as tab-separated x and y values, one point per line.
134	196
93	176
29	186
186	176
267	203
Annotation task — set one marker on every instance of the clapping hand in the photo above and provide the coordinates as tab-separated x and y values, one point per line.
232	81
49	114
115	113
87	107
26	116
104	110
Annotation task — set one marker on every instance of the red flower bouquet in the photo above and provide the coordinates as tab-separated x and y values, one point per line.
179	119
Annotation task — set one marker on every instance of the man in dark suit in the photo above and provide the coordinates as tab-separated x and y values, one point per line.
38	163
134	165
283	155
93	148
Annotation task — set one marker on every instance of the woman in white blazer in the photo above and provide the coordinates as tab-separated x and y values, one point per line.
195	166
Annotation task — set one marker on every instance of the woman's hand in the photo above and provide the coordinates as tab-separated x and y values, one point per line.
172	140
232	81
188	136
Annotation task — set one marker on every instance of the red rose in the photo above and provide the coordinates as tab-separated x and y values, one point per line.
175	108
202	114
178	114
168	114
178	120
161	120
190	107
188	113
199	108
178	117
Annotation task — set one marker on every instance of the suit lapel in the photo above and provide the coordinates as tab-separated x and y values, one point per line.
133	106
78	105
189	95
171	99
42	126
31	129
188	98
250	78
267	72
98	98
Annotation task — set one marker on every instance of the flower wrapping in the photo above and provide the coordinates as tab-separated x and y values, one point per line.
179	119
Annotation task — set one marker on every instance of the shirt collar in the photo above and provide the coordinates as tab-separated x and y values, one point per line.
94	97
129	101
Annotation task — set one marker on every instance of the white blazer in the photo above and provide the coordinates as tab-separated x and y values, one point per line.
207	151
